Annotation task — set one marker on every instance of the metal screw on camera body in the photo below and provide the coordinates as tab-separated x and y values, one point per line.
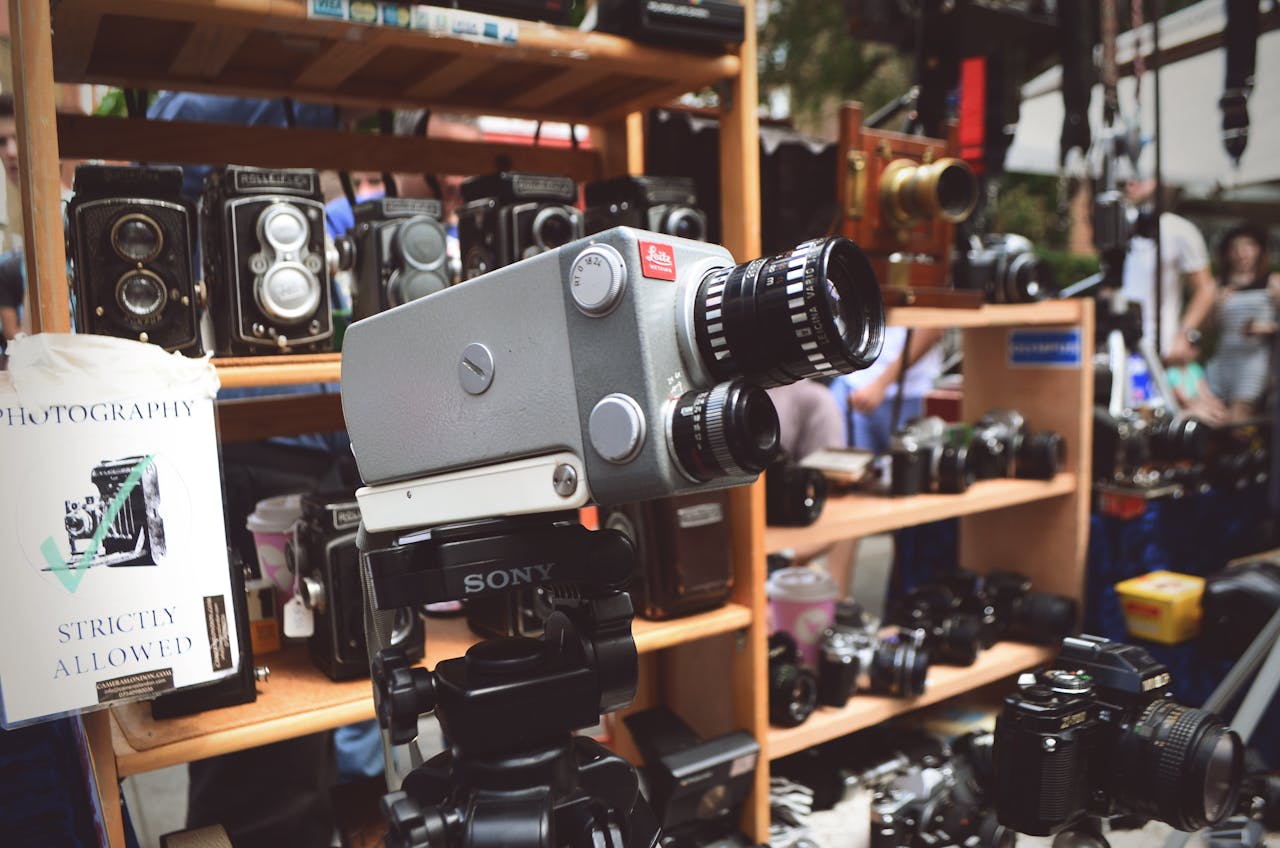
1050	744
475	369
565	480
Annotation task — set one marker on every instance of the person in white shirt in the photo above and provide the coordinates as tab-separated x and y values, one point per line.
867	396
1183	256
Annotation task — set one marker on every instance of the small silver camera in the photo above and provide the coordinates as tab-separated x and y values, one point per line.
621	367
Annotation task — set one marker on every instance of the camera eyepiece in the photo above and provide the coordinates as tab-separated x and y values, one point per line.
814	310
729	429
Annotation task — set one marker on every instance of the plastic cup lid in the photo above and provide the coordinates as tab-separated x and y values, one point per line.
275	515
802	584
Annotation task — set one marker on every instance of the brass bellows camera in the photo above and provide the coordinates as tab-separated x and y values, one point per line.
912	191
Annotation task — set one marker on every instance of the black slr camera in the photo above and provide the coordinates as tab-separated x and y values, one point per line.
513	216
130	235
134	534
264	258
1146	448
401	253
1099	734
667	205
1003	446
953	634
323	553
929	455
692	24
1005	268
896	664
685	552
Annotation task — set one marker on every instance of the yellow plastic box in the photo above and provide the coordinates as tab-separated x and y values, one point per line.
1162	606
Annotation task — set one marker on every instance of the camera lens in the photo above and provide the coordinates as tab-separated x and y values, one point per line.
1183	766
137	238
1042	618
946	189
956	640
793	691
728	430
552	227
412	283
288	293
685	223
955	473
284	227
142	295
899	668
955	189
794	496
421	243
1041	456
815	310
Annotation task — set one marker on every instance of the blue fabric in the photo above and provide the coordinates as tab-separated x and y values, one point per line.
872	432
359	751
44	796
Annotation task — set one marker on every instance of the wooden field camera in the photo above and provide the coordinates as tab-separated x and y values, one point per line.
900	198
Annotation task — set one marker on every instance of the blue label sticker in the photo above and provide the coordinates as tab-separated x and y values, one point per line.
327	9
1044	348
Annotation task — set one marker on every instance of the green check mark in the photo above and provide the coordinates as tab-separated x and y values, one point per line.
71	577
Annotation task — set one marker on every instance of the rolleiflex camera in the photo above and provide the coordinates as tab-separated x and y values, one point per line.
794	495
401	253
1100	735
667	205
323	553
693	24
130	235
645	369
513	216
134	532
1005	268
264	258
696	786
929	455
1003	446
685	549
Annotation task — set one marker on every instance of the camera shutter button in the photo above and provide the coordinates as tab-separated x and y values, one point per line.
597	280
617	428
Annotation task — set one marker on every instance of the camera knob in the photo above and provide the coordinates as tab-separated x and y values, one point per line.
597	280
404	693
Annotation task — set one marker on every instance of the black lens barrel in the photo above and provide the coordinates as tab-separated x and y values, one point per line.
815	310
728	430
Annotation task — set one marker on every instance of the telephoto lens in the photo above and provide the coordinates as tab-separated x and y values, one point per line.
813	311
793	690
1024	615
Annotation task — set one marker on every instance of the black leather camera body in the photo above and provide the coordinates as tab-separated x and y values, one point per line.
551	11
130	235
512	216
666	205
692	24
685	552
262	234
325	556
401	251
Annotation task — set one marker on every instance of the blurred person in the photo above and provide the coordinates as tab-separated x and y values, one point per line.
868	396
1191	390
1245	314
1183	255
13	272
808	418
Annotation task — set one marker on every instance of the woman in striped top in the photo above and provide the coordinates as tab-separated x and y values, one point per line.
1246	318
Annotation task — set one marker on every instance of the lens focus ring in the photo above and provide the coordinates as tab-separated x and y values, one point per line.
729	430
815	310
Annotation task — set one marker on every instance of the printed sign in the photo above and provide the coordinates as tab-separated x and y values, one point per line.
657	261
1044	348
335	9
113	552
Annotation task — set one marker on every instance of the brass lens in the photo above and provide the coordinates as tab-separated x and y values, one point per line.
910	191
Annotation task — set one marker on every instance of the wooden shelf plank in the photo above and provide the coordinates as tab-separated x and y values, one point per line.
298	699
855	516
1047	312
281	56
1002	660
236	372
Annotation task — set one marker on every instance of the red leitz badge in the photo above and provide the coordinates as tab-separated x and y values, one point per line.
657	261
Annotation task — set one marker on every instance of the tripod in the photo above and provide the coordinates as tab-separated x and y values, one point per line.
514	776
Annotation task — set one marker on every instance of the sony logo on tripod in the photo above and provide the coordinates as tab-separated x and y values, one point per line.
506	578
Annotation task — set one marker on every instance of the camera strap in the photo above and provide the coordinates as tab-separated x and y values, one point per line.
1075	30
1241	38
894	420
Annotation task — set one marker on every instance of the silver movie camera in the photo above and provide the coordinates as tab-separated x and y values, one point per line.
625	366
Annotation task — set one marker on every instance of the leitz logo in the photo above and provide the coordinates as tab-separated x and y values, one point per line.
506	578
657	261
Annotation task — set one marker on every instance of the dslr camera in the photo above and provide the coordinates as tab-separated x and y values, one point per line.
929	455
644	355
1005	268
1099	734
130	233
323	553
513	216
685	550
1144	449
133	535
667	205
401	253
1003	446
896	665
265	263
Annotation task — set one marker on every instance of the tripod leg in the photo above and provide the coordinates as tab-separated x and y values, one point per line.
1118	359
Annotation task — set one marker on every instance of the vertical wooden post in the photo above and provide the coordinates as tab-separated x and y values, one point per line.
740	152
102	760
36	111
621	145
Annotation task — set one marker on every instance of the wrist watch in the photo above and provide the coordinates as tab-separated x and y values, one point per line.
1192	335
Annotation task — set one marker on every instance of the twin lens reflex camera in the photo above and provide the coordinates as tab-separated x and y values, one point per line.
512	216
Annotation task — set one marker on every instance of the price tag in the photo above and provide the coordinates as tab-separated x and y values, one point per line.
299	623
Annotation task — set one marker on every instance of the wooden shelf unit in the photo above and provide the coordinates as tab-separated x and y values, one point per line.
1002	660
